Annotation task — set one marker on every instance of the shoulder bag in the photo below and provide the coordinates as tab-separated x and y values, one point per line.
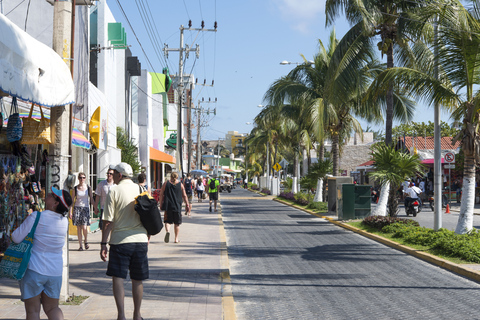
147	209
16	258
14	125
36	131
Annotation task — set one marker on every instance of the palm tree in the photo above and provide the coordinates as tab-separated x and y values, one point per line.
380	18
458	65
331	88
392	167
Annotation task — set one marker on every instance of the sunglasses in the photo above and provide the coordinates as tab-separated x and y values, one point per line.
81	177
109	173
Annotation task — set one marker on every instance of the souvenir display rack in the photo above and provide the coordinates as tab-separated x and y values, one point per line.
20	193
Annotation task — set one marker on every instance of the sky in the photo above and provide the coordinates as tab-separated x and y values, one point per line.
242	58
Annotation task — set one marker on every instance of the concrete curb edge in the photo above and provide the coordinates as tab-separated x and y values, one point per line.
463	271
228	302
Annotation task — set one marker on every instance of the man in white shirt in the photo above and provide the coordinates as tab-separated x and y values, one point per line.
413	193
101	193
405	186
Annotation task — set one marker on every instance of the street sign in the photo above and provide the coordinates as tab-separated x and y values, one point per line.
277	167
284	163
449	157
449	166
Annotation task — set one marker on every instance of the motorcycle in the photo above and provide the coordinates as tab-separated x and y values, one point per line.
431	200
413	207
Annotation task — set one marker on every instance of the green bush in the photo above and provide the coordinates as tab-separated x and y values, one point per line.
303	198
379	222
443	241
319	206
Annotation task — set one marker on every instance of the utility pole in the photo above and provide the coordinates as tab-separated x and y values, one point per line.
199	113
437	151
181	50
61	119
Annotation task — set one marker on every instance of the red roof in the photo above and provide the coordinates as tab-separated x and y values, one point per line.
368	163
422	143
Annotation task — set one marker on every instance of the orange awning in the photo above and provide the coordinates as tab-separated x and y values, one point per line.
159	156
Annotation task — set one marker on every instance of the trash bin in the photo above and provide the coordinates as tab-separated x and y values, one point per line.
356	202
335	192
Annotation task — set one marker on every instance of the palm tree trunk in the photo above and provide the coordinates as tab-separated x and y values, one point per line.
393	201
321	151
465	219
335	155
389	111
381	209
319	192
294	178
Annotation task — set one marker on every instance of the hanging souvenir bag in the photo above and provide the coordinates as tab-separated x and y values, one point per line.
15	260
14	125
2	113
36	131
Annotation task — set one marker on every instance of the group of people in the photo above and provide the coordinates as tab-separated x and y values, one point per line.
121	229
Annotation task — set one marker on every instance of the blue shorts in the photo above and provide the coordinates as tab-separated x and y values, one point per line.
33	283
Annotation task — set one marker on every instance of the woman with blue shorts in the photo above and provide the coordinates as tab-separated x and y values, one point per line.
43	279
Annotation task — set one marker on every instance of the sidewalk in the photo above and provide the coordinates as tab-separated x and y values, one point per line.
185	278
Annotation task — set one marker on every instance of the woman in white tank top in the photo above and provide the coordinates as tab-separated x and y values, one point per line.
80	214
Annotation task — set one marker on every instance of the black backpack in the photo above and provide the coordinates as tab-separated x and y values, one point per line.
212	184
147	209
188	186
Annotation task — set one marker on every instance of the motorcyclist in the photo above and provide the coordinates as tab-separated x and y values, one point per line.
413	193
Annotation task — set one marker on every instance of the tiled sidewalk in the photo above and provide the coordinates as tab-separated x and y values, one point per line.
185	278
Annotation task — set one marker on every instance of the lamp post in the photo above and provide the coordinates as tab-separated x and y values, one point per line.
285	62
246	162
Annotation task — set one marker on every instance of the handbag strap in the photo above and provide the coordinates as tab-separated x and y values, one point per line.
34	227
31	111
14	106
41	112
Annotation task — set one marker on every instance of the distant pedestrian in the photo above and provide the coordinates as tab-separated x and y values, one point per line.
128	240
80	214
103	188
245	183
41	284
200	189
142	182
188	184
171	196
213	184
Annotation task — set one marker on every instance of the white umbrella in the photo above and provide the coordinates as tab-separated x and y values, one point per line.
32	71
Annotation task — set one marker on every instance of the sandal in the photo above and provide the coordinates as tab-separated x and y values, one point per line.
87	246
80	249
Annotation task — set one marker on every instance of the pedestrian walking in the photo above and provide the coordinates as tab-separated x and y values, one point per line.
103	188
142	182
171	196
188	186
41	284
80	214
128	240
213	184
200	189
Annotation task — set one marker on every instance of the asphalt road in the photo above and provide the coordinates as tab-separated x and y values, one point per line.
287	264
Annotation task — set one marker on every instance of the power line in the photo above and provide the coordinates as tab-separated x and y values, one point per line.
139	43
148	29
186	9
158	34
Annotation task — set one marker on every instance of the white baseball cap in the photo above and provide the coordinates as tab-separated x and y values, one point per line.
124	169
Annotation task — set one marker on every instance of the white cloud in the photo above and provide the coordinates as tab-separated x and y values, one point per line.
300	13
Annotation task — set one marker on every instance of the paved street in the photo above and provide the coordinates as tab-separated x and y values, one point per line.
287	264
284	264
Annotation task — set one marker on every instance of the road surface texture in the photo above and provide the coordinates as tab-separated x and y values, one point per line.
288	264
